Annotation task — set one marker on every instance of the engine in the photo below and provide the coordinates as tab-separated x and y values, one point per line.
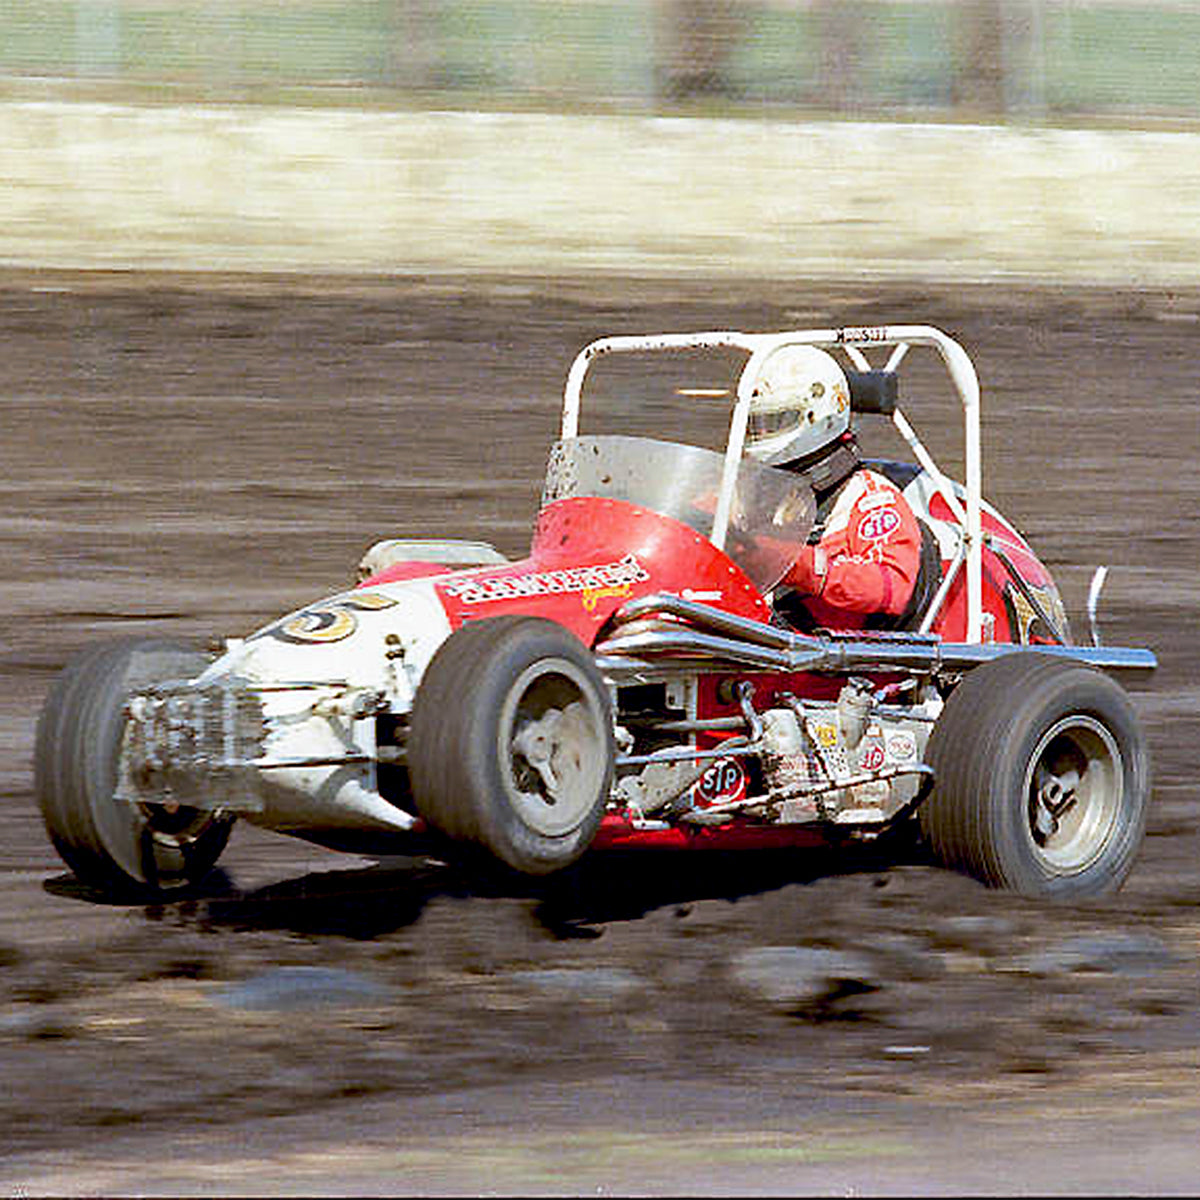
855	762
852	762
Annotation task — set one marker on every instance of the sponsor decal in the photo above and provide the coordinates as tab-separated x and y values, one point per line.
871	759
692	594
593	596
827	736
878	524
723	781
330	621
877	333
615	578
902	747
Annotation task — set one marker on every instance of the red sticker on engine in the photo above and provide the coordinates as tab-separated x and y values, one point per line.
871	758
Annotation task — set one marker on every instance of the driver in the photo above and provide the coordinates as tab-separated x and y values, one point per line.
864	555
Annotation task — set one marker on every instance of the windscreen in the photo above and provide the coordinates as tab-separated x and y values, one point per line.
772	510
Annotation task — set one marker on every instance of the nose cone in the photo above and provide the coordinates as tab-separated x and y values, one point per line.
379	637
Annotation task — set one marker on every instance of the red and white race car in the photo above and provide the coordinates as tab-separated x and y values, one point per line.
630	682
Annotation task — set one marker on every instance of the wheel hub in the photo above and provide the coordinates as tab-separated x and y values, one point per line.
537	744
557	750
1074	787
1056	796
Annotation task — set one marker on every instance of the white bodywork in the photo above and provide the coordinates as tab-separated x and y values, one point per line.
319	677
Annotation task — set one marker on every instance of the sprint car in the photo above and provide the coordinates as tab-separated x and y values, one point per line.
631	682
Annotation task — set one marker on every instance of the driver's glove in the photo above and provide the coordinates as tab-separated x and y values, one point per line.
808	573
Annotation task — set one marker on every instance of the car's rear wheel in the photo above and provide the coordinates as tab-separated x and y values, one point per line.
110	844
1042	779
510	748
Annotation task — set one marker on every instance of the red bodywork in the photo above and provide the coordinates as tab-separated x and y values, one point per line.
589	556
951	624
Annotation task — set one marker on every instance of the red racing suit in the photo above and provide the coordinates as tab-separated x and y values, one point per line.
867	559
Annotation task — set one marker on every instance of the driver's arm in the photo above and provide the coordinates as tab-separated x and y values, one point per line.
868	559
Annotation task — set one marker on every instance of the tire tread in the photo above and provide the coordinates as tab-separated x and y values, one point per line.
990	712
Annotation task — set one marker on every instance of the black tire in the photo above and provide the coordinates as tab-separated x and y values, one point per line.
493	685
1042	779
125	849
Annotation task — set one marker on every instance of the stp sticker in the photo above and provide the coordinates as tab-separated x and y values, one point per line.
877	524
871	758
724	781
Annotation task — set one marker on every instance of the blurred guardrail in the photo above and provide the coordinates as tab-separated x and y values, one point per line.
1125	60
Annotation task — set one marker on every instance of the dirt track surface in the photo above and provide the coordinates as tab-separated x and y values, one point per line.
195	458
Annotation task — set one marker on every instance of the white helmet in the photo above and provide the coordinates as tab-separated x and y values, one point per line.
800	403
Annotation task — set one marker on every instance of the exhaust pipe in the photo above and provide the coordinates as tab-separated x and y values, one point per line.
721	638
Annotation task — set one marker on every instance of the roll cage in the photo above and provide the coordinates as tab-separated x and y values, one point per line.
852	341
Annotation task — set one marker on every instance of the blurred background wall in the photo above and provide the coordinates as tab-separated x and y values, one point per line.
1111	59
955	136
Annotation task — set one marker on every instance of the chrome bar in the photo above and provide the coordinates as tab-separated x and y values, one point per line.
1093	603
715	619
763	646
323	760
695	642
851	340
687	754
711	725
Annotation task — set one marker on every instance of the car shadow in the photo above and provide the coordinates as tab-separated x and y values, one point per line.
360	903
624	886
607	886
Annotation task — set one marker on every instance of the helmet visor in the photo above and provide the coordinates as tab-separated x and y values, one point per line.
770	426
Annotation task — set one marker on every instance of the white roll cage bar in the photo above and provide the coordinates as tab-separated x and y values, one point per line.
851	340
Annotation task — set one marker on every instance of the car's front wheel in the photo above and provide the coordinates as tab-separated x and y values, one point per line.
510	747
1042	779
110	844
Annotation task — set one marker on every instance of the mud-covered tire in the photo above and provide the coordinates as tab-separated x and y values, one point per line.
500	696
126	850
1042	779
